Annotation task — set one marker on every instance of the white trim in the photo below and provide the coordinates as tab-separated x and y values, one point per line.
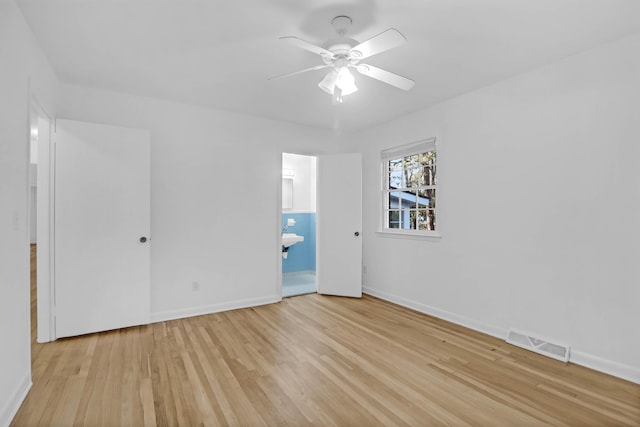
163	316
610	367
299	273
279	230
10	409
282	211
577	357
412	235
424	145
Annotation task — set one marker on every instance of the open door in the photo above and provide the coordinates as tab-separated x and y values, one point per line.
339	224
102	203
44	208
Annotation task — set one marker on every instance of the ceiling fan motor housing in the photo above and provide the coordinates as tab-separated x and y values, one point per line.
341	49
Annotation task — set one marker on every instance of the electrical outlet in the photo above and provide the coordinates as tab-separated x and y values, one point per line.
195	286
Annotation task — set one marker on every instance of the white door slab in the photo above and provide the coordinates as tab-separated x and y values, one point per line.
339	225
102	203
44	255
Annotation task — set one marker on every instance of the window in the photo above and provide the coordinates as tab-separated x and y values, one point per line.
409	188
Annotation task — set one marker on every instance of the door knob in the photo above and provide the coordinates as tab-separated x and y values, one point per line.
143	239
357	233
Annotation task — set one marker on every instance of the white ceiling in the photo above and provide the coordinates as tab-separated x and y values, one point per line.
219	54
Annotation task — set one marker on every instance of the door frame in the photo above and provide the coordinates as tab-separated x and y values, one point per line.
278	231
45	236
279	276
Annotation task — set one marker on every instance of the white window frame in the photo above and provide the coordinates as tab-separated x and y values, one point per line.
418	147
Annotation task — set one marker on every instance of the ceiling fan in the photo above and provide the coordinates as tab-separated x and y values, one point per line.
342	54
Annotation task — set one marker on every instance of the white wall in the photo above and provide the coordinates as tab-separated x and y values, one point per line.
215	212
304	181
22	67
539	200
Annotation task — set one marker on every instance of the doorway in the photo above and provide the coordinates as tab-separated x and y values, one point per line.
298	216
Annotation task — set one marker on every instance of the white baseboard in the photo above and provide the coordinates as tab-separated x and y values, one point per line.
10	408
440	314
162	316
609	367
299	273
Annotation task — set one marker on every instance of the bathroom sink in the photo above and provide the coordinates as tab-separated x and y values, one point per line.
290	239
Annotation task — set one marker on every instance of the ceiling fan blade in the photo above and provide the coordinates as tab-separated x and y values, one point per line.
306	45
385	76
384	41
317	67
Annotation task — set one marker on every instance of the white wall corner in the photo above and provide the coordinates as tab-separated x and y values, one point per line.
163	316
10	408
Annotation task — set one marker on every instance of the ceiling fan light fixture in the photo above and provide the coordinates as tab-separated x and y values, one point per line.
341	53
346	82
328	84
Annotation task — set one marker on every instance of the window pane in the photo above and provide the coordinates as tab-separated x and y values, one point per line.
427	159
431	219
395	165
409	199
411	162
426	219
421	219
394	200
428	175
413	217
423	201
412	177
394	219
395	179
408	217
427	198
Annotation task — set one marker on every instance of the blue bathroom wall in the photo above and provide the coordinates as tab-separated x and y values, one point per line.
302	256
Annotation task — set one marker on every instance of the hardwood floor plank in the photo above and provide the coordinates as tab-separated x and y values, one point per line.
146	398
313	360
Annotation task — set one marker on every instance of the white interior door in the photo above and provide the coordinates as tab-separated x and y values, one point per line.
44	232
339	224
102	186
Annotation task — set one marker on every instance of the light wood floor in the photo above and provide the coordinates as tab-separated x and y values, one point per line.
317	360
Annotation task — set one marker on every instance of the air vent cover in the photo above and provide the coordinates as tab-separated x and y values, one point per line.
539	345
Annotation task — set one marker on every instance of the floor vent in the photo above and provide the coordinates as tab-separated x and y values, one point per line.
555	351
